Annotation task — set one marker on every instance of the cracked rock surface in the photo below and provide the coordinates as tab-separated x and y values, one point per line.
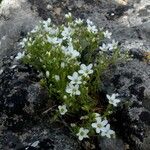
16	19
20	92
22	104
129	21
132	81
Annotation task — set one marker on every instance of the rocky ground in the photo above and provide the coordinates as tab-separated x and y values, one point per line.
20	93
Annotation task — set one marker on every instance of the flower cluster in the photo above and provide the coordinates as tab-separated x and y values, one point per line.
91	27
67	57
109	46
103	127
77	78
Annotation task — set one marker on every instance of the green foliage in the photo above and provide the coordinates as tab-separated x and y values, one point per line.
72	62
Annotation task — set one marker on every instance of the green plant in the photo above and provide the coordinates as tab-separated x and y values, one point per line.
72	62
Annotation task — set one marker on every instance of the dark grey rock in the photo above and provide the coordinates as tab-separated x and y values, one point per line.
37	137
111	144
21	97
19	17
145	27
22	122
124	21
16	19
131	80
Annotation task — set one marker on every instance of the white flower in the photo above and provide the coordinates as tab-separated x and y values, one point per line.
74	53
112	99
73	89
82	133
47	22
107	131
51	30
68	15
79	21
23	42
86	70
99	125
35	29
66	33
70	51
109	46
104	47
57	78
54	40
47	74
75	78
20	55
62	109
107	34
92	28
113	45
89	22
46	25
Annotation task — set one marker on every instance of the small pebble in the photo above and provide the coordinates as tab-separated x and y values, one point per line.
49	7
1	71
14	66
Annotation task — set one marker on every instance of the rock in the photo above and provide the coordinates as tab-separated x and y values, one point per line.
21	95
16	19
39	136
145	27
111	144
131	80
22	103
137	54
126	23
